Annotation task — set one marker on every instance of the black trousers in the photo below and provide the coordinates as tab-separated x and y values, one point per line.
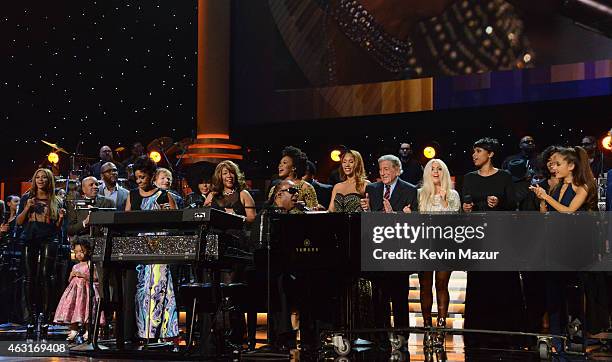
390	287
39	266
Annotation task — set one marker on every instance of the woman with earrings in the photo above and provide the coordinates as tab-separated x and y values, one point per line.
229	191
493	299
436	195
41	214
292	166
347	194
156	312
575	191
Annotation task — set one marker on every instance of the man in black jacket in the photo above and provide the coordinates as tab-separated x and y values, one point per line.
78	217
391	194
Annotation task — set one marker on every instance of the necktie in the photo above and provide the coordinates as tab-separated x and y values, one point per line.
387	194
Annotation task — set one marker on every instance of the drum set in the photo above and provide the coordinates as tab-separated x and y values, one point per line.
79	164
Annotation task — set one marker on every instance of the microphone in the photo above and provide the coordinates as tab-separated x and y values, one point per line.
300	205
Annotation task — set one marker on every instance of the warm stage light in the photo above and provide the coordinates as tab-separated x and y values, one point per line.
606	142
155	156
53	158
335	155
429	152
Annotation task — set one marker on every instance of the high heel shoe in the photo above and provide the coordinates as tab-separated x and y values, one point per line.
72	335
44	328
428	337
30	332
440	336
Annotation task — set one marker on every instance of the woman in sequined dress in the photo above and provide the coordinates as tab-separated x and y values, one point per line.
156	313
347	194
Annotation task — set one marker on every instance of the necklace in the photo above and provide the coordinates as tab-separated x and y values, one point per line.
228	193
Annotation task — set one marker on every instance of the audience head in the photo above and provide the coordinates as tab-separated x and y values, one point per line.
311	171
109	174
589	143
405	150
527	145
106	153
484	150
162	178
144	170
137	149
12	203
292	163
227	176
389	168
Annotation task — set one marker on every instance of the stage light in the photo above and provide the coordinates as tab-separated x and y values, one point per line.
53	158
429	152
606	142
335	155
155	156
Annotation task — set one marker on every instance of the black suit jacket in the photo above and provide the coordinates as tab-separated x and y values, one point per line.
76	217
323	191
404	194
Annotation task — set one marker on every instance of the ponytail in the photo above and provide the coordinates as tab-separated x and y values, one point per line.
583	176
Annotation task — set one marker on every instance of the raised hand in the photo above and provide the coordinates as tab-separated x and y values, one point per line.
365	203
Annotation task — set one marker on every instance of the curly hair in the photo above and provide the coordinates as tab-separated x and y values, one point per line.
217	180
299	159
145	165
85	245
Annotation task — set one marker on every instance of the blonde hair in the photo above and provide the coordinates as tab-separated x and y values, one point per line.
162	170
428	190
358	171
54	201
217	180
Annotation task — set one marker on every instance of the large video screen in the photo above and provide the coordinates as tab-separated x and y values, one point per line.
312	59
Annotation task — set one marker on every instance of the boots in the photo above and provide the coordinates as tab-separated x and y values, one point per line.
30	328
428	337
440	336
43	328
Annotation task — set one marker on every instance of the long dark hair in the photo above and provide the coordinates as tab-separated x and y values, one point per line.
582	175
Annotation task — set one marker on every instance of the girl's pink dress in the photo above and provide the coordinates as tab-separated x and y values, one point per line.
73	307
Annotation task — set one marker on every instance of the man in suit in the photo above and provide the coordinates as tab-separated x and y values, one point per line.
106	155
78	219
389	195
323	191
109	187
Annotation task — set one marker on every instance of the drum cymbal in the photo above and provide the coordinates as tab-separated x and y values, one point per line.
54	146
160	143
179	146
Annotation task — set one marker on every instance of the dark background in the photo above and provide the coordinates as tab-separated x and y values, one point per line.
115	72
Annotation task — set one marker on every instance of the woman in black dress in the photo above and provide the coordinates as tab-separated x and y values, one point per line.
41	215
229	191
493	299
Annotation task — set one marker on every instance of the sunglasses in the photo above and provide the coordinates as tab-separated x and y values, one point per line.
291	190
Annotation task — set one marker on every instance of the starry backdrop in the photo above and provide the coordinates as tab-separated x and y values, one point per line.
84	74
97	72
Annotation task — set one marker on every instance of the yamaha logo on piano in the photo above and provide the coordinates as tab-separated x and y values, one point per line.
307	248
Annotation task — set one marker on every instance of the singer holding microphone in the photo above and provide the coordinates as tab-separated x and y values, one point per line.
490	189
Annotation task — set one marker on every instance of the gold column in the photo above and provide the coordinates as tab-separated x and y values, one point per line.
213	85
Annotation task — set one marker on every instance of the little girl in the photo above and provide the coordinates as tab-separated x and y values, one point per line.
73	307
